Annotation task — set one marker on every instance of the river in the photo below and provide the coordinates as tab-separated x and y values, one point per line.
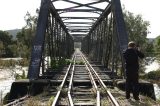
7	77
152	66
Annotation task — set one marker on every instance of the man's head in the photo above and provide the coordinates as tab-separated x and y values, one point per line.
131	44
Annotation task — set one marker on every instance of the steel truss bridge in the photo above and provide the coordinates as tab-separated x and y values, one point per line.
97	24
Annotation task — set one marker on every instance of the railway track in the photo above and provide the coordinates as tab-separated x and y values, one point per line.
76	85
82	94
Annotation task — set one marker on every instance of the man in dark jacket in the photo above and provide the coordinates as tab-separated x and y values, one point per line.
131	56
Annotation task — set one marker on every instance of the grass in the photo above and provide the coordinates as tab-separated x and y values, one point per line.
79	63
40	100
59	63
64	92
33	101
105	102
12	63
51	101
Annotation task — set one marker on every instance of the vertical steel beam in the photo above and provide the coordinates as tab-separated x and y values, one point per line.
38	44
120	24
120	28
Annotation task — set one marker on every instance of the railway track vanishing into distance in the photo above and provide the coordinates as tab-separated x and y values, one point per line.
82	94
76	85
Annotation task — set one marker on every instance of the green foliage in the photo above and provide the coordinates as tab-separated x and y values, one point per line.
157	44
50	101
153	75
7	63
11	62
5	42
13	50
24	43
54	64
1	48
62	62
6	98
149	47
68	61
24	62
137	28
25	37
79	63
59	63
5	38
23	75
18	76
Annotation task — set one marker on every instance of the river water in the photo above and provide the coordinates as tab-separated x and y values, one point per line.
152	66
5	86
7	77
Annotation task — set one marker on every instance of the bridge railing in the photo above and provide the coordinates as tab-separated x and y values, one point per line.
108	38
51	40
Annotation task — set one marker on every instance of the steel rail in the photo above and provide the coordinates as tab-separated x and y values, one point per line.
71	84
93	82
62	84
91	79
17	102
102	83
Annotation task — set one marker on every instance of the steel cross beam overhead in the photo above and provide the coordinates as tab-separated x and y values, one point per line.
80	12
100	22
108	38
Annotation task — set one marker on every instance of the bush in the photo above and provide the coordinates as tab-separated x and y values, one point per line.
5	100
57	64
51	101
81	63
68	61
18	76
7	63
62	62
24	62
155	75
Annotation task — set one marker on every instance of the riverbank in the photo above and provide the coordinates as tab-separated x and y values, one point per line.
152	66
7	77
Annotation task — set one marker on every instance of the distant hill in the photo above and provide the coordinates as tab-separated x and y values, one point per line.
13	32
151	40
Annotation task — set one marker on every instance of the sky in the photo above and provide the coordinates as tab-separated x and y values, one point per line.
12	13
149	9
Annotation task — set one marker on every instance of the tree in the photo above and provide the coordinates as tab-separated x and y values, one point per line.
137	28
5	41
14	49
157	46
25	37
5	38
1	48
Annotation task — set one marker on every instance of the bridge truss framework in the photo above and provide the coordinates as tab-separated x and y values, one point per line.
101	29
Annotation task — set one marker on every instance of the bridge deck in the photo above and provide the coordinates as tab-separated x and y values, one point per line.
83	92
